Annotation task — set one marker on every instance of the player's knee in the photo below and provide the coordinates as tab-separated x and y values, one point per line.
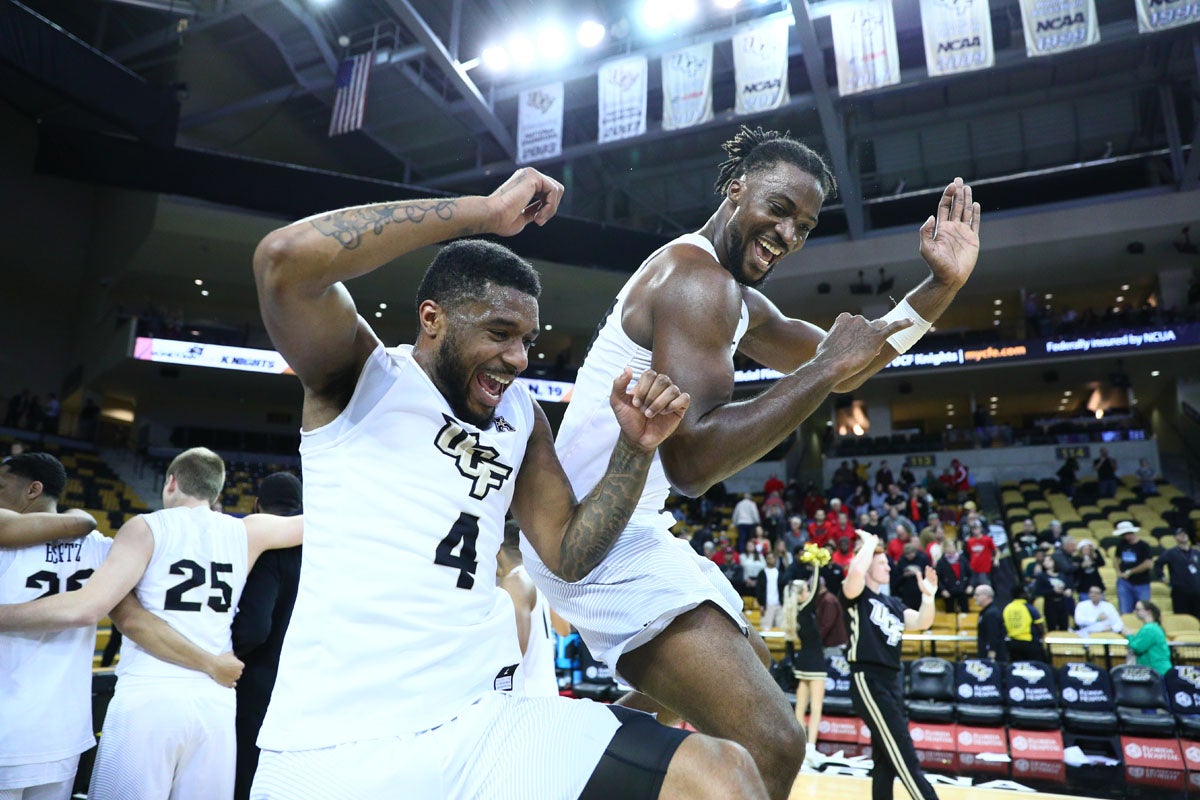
738	776
784	744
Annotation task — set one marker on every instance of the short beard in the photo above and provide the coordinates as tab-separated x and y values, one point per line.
453	378
737	265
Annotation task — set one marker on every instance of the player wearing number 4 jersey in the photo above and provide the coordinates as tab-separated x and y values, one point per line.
397	668
169	730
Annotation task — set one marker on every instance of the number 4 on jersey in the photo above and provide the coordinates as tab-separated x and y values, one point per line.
464	531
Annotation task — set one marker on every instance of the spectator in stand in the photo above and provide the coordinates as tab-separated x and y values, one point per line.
860	501
962	478
1033	567
745	516
1064	557
795	535
774	513
700	539
1146	478
892	521
883	476
769	591
931	532
878	495
990	631
947	492
1057	594
1088	561
1134	567
791	496
844	553
1053	534
843	481
50	418
818	530
1067	476
1183	561
814	501
895	499
843	529
907	479
1106	476
1148	647
1096	615
1025	540
907	575
874	524
753	564
725	552
954	578
783	556
731	567
862	472
930	483
773	484
1024	628
920	506
759	542
895	546
981	554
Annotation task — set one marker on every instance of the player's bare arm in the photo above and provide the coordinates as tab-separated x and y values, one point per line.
950	246
695	319
856	573
23	530
159	639
921	619
524	596
271	532
300	269
112	581
572	538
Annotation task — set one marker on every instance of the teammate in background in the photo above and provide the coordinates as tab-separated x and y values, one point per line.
535	630
168	730
395	669
652	608
877	623
262	619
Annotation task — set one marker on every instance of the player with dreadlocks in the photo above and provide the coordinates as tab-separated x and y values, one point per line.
664	619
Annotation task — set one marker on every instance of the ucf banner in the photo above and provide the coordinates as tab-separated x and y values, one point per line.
958	36
760	64
1157	15
622	94
864	45
540	123
1054	26
687	87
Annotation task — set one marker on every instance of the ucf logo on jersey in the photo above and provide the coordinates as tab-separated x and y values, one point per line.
473	460
888	624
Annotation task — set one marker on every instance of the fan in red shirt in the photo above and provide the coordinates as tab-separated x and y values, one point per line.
842	529
895	548
773	484
844	553
821	529
981	551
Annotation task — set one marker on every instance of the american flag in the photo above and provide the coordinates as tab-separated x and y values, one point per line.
351	99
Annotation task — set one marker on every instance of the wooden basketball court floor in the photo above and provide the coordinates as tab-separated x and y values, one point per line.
818	786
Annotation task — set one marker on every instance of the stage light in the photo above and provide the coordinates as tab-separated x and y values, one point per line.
998	301
204	292
656	14
521	51
549	327
199	282
590	34
551	44
383	306
378	314
495	58
1154	373
683	10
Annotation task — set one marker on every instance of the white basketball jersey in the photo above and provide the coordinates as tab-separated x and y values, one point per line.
399	623
589	429
536	675
193	582
46	677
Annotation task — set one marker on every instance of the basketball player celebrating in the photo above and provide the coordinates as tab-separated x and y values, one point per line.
394	670
169	730
662	617
877	623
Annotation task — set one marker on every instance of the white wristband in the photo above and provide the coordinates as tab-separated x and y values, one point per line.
903	340
927	589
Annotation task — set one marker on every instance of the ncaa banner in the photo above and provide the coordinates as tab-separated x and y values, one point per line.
622	98
1158	15
540	123
864	45
958	36
1055	26
760	64
687	87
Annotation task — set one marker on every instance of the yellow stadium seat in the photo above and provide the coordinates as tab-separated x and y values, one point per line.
1180	623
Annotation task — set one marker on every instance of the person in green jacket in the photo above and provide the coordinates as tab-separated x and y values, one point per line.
1149	644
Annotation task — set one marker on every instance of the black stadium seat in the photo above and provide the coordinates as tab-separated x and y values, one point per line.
1087	698
1183	694
930	696
837	687
980	692
1141	701
1032	695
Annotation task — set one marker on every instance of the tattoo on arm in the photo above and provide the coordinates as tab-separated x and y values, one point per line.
349	225
604	513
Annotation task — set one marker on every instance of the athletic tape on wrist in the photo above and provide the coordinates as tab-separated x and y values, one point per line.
927	588
903	340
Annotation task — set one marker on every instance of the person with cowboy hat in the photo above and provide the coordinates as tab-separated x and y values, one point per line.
1134	565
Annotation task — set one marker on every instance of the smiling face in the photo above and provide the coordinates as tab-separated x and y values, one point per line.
477	348
774	210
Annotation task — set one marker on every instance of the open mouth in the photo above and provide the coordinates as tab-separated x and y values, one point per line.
492	386
766	252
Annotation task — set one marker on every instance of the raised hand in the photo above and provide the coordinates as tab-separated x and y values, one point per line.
651	412
868	539
930	582
528	196
950	240
854	341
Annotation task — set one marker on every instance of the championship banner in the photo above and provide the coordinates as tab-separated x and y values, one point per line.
864	45
540	123
687	87
760	67
1158	15
958	36
1055	26
622	98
